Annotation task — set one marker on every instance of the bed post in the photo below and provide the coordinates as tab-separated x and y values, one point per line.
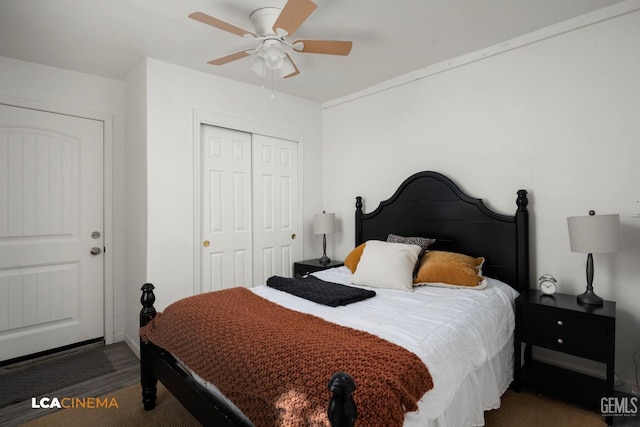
358	220
147	379
522	232
342	408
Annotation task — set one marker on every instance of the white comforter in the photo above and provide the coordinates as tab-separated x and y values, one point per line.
463	336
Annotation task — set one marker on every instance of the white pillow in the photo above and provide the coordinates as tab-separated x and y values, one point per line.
387	265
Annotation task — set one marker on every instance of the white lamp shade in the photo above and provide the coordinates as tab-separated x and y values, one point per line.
258	66
595	233
324	223
273	58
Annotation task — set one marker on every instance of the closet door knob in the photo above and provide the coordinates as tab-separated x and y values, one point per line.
206	243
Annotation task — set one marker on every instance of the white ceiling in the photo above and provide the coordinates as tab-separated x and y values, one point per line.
390	38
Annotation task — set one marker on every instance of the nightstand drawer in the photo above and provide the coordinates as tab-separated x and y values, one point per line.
563	321
566	342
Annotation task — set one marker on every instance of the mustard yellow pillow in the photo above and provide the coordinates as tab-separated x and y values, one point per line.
353	258
440	268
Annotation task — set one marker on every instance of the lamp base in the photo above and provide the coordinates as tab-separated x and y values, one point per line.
589	297
324	260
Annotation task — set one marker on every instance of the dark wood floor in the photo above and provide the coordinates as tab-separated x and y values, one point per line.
126	372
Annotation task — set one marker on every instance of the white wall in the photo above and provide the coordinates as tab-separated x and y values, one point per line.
173	94
38	86
557	116
136	195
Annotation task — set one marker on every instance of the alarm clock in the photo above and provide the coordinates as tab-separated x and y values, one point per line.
548	284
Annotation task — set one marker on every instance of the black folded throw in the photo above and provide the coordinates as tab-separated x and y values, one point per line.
320	291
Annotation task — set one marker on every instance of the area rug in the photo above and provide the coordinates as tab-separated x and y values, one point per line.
51	374
529	409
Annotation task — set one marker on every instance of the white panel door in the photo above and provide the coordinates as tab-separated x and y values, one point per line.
275	216
51	216
226	208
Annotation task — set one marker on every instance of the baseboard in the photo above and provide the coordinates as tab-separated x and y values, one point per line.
134	344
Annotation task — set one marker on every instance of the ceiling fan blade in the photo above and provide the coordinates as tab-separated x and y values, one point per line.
327	47
226	59
295	72
295	12
215	22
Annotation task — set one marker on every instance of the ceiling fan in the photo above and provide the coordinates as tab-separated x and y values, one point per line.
272	26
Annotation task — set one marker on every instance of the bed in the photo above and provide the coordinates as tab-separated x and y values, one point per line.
427	204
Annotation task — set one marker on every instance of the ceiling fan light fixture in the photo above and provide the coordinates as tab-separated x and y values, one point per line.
274	58
272	25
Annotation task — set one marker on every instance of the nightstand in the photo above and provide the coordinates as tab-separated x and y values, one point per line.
558	322
302	268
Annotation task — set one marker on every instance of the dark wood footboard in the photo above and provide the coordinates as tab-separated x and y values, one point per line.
147	379
212	409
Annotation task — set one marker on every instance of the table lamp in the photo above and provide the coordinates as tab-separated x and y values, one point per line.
593	234
324	224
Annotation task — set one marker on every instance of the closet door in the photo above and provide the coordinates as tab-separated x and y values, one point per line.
249	225
225	244
276	243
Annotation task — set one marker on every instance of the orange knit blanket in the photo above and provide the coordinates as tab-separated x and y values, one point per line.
275	363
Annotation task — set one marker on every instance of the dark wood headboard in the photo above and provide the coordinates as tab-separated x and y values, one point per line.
428	204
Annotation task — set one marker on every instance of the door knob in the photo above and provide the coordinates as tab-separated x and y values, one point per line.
206	243
96	250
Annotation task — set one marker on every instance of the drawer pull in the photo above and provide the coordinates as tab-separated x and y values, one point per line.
560	323
560	341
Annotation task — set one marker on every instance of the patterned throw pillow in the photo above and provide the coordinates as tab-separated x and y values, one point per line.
423	242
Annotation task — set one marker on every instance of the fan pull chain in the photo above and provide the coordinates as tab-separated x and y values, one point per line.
273	95
262	64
